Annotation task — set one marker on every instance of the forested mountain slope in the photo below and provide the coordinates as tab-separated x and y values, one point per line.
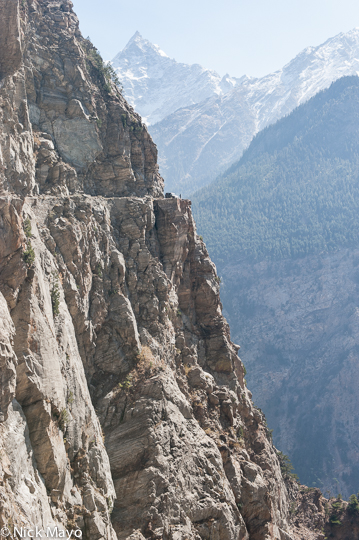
295	191
282	226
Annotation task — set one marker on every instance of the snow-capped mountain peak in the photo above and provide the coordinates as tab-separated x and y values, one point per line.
211	119
140	46
157	85
213	134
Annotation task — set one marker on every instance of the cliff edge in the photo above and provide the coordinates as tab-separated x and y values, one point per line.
124	410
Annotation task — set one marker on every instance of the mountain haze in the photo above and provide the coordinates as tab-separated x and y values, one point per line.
282	226
157	85
202	133
295	190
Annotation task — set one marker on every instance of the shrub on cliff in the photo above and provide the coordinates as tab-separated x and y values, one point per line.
105	71
286	466
29	255
353	506
27	228
55	298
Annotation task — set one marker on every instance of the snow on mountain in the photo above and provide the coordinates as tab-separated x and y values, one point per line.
312	70
156	85
204	125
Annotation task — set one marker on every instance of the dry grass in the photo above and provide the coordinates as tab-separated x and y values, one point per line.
37	140
187	368
145	359
147	365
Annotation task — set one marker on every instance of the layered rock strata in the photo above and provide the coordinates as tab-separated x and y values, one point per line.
124	412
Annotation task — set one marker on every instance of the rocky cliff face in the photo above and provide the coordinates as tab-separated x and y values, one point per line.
124	412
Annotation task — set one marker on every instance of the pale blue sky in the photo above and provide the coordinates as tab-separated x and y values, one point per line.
252	37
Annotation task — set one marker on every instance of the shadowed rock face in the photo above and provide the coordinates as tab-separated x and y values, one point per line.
124	411
10	41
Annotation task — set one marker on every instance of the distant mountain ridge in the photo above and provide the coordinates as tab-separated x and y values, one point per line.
295	190
201	138
156	85
282	226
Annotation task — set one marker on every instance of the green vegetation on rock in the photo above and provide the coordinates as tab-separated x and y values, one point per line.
29	255
105	71
353	506
55	298
27	228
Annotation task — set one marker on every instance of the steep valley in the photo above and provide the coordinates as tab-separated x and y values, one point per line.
281	225
124	413
298	325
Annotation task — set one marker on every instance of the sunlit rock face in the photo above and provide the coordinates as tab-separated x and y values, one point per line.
124	410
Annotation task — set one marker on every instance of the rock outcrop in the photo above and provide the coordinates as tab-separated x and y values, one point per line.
124	410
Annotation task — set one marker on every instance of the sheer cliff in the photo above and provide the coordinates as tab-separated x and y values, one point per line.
124	411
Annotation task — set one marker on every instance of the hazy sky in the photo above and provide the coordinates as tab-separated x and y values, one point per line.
252	37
